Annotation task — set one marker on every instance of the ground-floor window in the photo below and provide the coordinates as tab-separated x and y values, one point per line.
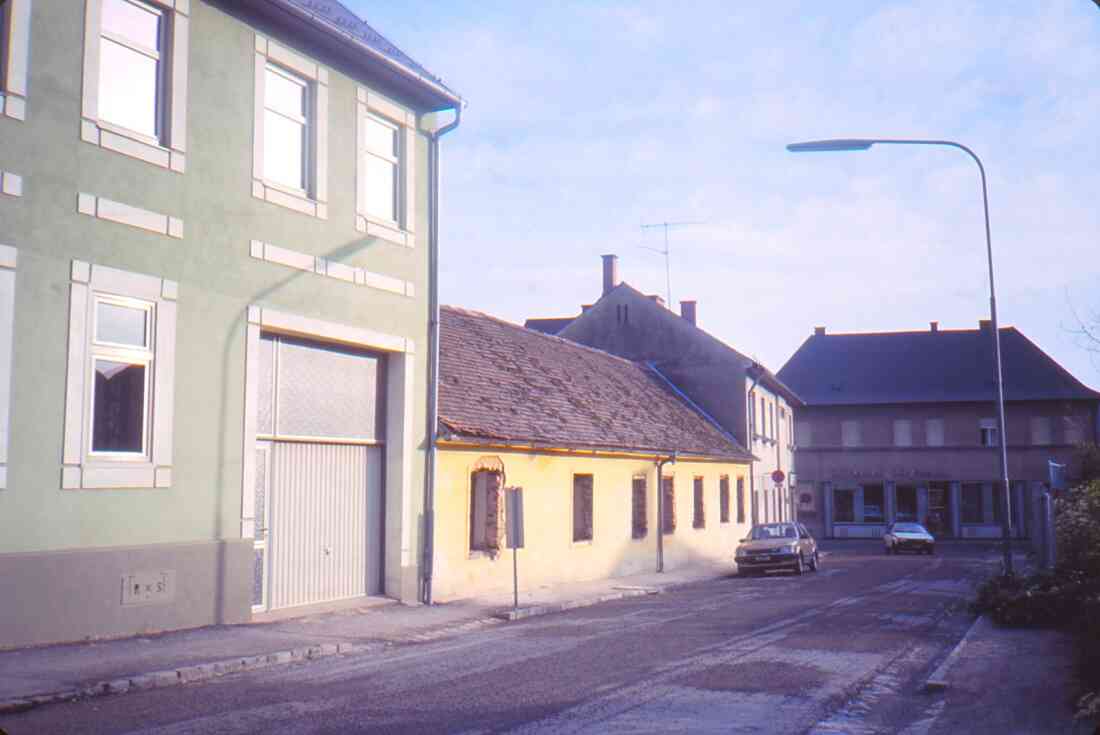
938	520
844	506
698	518
668	519
723	499
906	507
484	510
973	506
582	507
874	504
740	499
638	522
998	502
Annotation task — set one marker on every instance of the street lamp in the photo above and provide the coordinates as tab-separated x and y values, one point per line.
863	144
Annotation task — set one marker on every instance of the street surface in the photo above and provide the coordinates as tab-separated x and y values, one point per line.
841	651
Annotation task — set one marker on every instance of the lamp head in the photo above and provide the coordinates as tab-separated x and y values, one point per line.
837	144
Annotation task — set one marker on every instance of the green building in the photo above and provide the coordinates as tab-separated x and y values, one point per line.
216	288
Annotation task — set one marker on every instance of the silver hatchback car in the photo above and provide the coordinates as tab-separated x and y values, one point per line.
786	546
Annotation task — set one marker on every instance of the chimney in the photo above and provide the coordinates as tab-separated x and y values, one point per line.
610	272
985	324
585	307
935	326
819	331
687	311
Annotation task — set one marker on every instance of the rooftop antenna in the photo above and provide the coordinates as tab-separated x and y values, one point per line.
666	252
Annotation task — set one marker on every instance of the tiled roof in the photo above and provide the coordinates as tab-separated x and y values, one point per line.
336	14
925	367
549	325
500	381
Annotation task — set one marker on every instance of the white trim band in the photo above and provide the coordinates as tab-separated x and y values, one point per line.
329	268
124	214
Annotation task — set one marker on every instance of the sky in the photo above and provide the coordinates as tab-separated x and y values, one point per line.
586	120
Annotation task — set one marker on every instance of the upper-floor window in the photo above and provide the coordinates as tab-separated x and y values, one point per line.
1041	430
386	190
287	128
15	16
771	420
803	434
5	31
763	417
381	168
1072	429
132	68
850	435
988	434
903	433
933	432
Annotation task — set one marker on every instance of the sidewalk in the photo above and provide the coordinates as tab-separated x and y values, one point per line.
1009	680
40	675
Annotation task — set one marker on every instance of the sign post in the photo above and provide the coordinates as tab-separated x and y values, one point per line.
513	515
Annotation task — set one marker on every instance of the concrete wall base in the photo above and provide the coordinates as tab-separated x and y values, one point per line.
85	594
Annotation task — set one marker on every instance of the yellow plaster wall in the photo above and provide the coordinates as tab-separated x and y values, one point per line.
550	555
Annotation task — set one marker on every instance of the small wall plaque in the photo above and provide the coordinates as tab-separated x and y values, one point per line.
149	588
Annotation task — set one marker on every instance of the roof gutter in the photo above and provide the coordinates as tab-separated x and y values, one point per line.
334	29
428	531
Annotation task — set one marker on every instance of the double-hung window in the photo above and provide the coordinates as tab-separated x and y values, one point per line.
381	167
385	192
119	395
15	22
135	79
287	113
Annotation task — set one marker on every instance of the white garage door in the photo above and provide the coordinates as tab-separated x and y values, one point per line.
319	461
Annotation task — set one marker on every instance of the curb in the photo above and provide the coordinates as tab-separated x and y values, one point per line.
536	610
937	682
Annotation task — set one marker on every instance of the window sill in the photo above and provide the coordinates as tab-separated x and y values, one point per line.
282	196
481	554
583	542
388	231
639	538
115	475
13	106
134	145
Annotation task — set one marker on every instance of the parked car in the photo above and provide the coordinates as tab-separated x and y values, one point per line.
777	546
904	536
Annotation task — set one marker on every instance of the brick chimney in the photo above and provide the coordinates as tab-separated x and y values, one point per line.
687	311
610	272
935	326
819	331
985	324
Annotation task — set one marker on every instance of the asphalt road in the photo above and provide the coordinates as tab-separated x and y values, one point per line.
844	650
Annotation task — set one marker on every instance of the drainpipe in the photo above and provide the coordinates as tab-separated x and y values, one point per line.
661	511
428	530
751	426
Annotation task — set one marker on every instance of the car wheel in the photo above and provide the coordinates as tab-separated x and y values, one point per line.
815	562
799	565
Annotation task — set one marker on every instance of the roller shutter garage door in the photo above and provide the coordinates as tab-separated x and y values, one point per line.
319	455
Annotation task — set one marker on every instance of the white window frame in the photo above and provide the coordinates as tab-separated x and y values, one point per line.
1042	431
314	200
988	433
903	433
850	433
15	48
170	151
934	433
401	231
803	434
82	468
9	260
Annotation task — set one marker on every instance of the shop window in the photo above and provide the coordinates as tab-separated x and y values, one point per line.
668	520
939	508
844	506
638	521
698	518
874	504
582	507
972	503
906	503
724	499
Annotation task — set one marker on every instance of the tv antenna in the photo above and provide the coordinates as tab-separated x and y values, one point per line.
666	252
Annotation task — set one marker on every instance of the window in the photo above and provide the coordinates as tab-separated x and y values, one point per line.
386	195
698	517
933	432
1073	431
9	258
15	20
803	435
844	506
639	524
118	404
485	508
724	499
771	420
287	113
907	503
903	433
135	84
290	140
740	499
668	520
763	418
973	506
1040	430
988	433
874	508
850	434
582	507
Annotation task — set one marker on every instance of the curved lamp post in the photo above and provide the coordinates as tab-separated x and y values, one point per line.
862	144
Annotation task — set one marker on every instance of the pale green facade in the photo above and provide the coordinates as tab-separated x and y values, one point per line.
69	549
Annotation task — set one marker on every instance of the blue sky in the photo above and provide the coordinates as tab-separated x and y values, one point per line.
588	119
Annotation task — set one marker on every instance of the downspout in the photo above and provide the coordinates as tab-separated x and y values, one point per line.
751	428
661	511
428	529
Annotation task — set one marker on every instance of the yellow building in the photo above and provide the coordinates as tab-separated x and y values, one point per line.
584	434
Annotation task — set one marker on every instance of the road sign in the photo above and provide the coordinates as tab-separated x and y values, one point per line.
778	477
513	515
